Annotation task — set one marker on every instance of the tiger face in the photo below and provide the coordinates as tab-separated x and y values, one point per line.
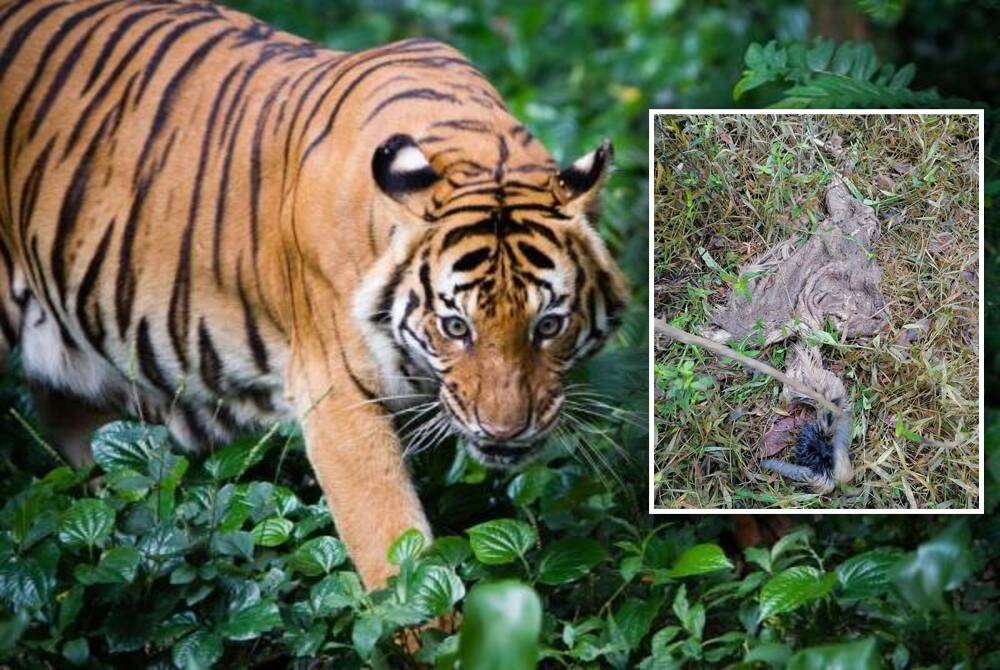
490	295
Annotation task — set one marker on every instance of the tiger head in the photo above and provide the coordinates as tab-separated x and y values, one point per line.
494	286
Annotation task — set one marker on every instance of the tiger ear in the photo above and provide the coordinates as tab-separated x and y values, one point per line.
401	169
580	183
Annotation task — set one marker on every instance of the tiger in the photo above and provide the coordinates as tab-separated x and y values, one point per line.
217	226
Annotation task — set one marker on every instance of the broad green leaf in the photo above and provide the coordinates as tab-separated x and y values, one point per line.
234	459
435	589
341	590
938	565
318	556
866	575
76	651
23	585
365	634
569	559
128	445
238	543
698	560
858	655
634	619
501	541
792	588
450	551
87	523
406	546
117	566
272	532
525	488
249	622
199	650
500	629
774	654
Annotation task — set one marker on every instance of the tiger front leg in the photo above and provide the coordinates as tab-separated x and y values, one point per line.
357	459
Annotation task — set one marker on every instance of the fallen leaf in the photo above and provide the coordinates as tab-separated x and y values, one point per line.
941	243
784	431
912	332
971	277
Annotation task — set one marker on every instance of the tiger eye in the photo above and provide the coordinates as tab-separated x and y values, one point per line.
549	326
455	327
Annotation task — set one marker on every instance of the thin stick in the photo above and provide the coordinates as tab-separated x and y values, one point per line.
722	351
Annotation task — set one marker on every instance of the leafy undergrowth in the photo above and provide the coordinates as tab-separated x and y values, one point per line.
166	562
730	187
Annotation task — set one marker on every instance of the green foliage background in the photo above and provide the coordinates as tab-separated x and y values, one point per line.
232	560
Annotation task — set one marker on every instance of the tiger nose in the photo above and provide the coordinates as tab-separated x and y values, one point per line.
501	431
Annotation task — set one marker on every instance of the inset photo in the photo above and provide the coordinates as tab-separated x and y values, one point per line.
817	301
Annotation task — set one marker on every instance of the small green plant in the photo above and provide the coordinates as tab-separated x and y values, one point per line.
681	385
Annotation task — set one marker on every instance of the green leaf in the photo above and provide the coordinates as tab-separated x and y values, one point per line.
117	566
858	655
569	559
234	459
792	588
698	560
774	654
406	546
87	523
238	543
23	584
76	651
341	590
634	619
938	565
866	575
199	650
501	541
449	551
128	445
500	629
435	589
525	488
365	635
318	556
249	622
272	532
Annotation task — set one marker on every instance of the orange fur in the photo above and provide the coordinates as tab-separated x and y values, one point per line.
193	229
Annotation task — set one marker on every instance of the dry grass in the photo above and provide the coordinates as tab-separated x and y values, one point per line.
729	187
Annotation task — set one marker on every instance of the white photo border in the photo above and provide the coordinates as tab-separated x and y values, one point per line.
652	509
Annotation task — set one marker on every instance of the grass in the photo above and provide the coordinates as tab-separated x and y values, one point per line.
727	188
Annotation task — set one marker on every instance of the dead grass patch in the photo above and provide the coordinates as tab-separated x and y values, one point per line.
728	187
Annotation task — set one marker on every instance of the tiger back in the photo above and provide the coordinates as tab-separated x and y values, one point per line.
216	225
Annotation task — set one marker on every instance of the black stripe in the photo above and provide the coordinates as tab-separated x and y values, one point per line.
113	40
95	332
127	59
257	347
72	205
210	364
434	62
125	282
469	125
428	94
169	41
67	339
148	365
20	37
180	300
222	195
170	91
69	62
536	256
471	260
425	281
